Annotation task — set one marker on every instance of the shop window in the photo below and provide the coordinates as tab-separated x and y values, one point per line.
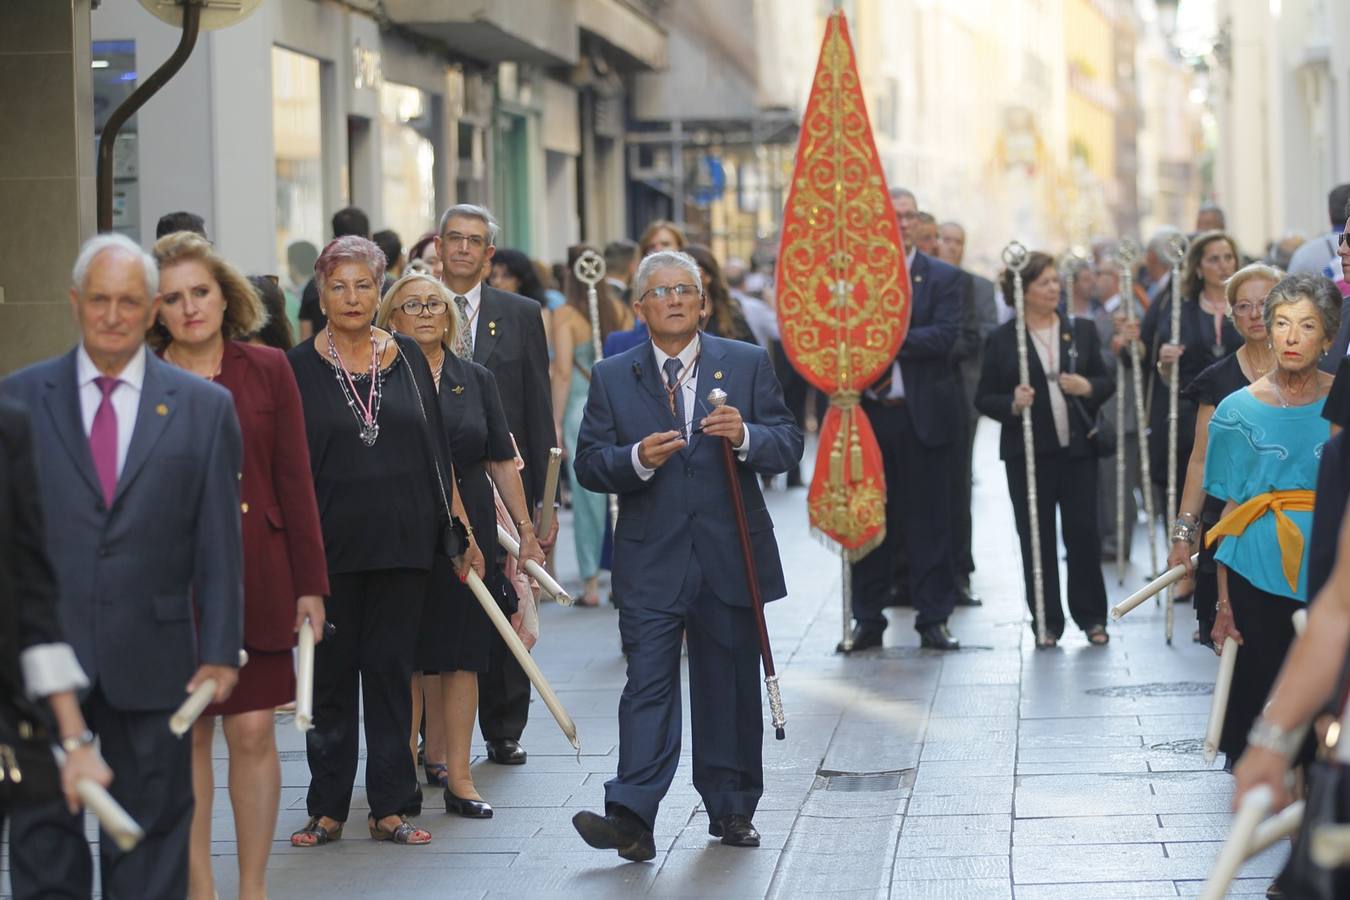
408	161
298	150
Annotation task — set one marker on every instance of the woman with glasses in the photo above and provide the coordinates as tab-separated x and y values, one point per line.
570	374
1196	511
454	639
383	478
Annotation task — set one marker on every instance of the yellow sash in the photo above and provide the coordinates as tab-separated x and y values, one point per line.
1286	532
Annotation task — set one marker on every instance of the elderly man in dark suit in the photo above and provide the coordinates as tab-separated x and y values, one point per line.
138	467
650	436
505	333
911	411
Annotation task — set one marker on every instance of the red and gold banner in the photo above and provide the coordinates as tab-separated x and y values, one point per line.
843	292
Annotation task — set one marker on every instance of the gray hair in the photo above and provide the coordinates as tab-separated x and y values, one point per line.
1317	289
1160	245
472	211
99	244
665	259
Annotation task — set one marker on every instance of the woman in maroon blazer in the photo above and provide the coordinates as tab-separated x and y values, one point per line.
206	306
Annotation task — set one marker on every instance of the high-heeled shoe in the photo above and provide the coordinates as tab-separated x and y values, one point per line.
469	809
438	774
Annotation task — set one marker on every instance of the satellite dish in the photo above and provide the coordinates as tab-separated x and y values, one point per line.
215	13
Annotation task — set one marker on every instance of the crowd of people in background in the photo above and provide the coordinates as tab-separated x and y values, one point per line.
382	392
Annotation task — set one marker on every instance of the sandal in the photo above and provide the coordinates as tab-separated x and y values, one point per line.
1097	636
404	833
315	835
438	774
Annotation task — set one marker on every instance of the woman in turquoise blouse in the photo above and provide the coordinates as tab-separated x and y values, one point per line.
1265	443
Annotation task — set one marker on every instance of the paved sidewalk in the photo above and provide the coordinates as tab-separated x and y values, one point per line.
996	772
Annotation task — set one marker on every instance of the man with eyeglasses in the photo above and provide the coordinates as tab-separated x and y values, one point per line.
505	333
651	436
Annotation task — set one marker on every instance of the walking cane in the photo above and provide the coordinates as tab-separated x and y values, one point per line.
1126	254
718	398
1128	251
590	270
1179	245
1015	257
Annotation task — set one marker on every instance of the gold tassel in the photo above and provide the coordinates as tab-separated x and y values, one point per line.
855	457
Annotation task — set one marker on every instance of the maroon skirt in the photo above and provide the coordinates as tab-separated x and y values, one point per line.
266	682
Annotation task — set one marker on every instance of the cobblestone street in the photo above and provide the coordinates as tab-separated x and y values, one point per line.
995	772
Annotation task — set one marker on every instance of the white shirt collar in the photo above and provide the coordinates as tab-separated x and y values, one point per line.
909	257
474	295
132	374
686	356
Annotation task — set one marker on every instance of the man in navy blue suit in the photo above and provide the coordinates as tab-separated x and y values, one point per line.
913	411
650	436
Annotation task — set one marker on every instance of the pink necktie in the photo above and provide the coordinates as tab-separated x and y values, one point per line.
103	439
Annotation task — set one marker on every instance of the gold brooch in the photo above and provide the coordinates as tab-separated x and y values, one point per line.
162	409
457	389
1066	337
492	329
717	375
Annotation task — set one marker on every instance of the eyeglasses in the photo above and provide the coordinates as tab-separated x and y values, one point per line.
1246	309
679	290
416	307
1344	238
456	239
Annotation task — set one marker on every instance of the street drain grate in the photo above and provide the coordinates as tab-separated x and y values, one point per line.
1156	689
864	782
1183	746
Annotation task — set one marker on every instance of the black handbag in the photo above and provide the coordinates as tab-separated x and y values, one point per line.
28	773
1327	803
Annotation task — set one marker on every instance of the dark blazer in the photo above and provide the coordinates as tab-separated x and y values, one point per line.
937	309
510	342
684	508
27	582
130	577
1082	354
283	544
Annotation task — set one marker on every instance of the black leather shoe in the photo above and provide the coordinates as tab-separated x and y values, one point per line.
864	638
469	809
735	831
506	752
937	637
616	831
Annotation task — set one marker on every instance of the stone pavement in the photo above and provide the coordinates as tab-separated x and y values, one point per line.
995	772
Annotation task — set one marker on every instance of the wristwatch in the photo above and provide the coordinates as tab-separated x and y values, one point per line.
1269	736
76	741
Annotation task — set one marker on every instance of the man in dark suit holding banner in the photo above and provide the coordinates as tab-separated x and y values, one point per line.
138	468
651	436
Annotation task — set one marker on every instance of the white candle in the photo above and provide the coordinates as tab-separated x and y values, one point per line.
1161	583
503	626
534	570
304	679
1218	704
114	819
1255	804
181	721
550	490
1279	826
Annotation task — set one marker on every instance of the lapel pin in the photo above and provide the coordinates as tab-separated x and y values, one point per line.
492	329
458	389
1065	338
918	279
717	375
162	409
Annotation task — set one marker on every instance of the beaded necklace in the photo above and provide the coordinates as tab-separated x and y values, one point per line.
367	414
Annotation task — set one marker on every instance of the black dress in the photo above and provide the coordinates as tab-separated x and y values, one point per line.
1202	351
455	633
1209	388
